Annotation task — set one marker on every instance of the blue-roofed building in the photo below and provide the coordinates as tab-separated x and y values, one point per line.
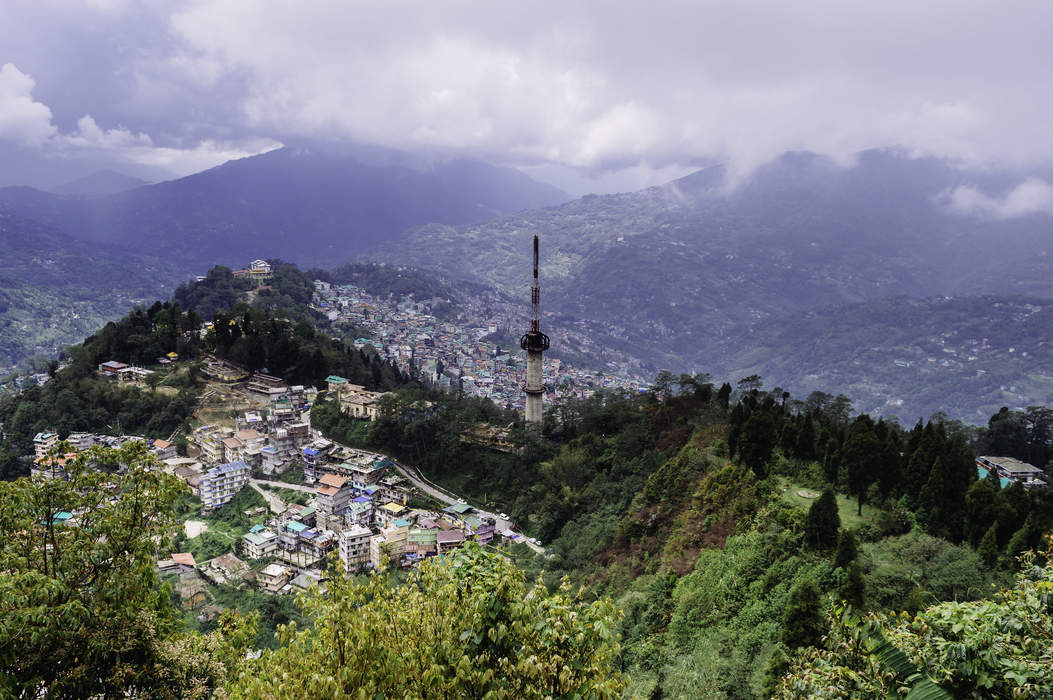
219	485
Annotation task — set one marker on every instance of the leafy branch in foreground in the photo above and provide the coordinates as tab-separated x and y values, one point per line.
997	648
82	613
464	625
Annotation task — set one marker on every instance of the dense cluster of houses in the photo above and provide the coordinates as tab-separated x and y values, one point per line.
51	465
456	354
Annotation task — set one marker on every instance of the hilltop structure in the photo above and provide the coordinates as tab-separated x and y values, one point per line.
535	343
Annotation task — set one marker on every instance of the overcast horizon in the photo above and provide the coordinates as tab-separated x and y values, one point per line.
592	97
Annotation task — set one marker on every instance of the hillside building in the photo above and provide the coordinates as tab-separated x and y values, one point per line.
219	485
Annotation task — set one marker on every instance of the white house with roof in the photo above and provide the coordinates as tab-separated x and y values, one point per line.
43	442
260	542
259	269
1013	470
354	546
219	485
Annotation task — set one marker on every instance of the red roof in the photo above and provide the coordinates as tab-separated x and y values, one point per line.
184	558
333	480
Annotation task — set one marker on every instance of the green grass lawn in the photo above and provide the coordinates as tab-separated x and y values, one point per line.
846	507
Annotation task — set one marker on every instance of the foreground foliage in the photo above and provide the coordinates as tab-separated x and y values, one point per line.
462	626
997	648
81	611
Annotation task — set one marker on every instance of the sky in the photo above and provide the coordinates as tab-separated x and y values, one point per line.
593	96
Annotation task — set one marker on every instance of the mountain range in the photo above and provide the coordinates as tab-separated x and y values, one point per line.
700	274
108	234
689	272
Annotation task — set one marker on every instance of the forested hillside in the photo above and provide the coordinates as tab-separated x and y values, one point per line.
727	523
262	335
732	541
55	289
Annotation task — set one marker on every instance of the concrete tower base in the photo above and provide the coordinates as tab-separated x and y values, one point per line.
534	388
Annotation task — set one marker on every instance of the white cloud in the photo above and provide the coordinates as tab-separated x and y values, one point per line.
1033	196
610	85
594	85
22	120
28	123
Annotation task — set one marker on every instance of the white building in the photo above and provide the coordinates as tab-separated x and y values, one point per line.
220	484
43	442
259	544
354	547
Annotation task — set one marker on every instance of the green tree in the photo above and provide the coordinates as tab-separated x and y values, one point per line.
863	454
988	548
993	648
846	549
758	438
981	509
803	621
81	611
852	588
462	626
822	522
935	498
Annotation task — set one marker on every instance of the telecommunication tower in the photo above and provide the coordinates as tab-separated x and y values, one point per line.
534	342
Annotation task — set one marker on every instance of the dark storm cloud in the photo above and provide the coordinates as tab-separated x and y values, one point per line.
647	89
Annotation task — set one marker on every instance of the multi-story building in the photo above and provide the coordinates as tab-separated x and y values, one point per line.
359	512
43	442
271	460
220	484
1012	471
334	493
260	543
233	449
81	441
354	547
163	449
273	578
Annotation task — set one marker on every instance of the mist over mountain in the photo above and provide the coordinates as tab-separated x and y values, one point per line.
99	184
685	271
311	205
111	241
55	289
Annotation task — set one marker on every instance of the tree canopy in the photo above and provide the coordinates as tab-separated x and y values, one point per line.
465	625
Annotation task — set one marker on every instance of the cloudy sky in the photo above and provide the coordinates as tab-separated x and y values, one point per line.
594	95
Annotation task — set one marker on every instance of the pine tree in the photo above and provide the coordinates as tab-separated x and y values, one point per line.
778	664
846	549
863	455
853	588
805	447
823	522
988	549
1021	540
831	460
803	623
934	499
981	510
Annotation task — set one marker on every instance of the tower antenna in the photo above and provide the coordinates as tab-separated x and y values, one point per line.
535	343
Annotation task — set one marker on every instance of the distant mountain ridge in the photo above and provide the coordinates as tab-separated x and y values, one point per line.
905	357
309	205
99	184
314	204
685	271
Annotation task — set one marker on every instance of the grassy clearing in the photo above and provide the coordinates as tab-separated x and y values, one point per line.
846	507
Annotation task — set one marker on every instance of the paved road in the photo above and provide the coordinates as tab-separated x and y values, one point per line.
276	504
415	478
283	485
433	490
